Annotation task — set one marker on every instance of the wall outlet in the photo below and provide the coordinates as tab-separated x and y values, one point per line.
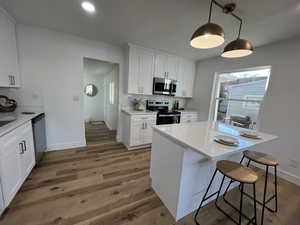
294	163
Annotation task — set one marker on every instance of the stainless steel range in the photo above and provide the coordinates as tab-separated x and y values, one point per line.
164	115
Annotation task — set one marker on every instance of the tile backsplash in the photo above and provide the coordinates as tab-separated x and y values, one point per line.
128	105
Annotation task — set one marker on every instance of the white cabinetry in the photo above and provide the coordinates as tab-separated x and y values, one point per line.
166	66
9	71
16	160
189	117
140	70
138	130
186	77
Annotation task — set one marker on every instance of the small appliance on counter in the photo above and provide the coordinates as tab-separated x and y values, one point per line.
163	86
164	115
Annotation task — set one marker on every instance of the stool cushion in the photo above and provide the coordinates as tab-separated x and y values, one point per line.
261	158
237	171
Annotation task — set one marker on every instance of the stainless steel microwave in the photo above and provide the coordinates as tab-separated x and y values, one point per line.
162	86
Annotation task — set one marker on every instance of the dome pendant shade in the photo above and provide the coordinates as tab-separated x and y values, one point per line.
238	48
209	35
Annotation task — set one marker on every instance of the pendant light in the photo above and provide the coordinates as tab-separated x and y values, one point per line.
238	48
210	35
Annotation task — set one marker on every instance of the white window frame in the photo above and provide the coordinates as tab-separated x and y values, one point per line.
214	102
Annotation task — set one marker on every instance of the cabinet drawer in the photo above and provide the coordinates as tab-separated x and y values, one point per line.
16	132
143	117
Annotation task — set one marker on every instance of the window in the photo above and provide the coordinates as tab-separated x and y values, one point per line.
238	96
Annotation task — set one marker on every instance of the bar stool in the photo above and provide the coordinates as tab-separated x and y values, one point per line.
237	173
266	160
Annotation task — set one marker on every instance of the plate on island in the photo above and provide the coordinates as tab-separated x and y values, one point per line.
226	140
250	134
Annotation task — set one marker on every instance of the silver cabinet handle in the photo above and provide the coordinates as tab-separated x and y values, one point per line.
10	79
21	148
25	147
13	80
146	125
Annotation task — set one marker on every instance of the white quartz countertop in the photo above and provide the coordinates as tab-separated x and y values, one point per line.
200	136
133	112
21	119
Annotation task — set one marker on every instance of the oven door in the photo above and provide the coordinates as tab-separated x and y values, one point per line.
162	86
167	119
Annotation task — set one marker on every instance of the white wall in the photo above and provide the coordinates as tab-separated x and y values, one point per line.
51	65
281	109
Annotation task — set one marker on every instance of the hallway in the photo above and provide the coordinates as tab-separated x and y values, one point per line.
98	133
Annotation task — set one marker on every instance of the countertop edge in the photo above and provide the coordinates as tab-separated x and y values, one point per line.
18	122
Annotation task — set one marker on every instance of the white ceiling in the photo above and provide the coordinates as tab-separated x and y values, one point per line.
161	24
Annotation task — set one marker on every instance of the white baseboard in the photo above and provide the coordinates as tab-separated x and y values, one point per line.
62	146
288	176
282	174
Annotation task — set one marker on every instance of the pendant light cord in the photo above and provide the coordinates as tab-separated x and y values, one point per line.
231	13
210	9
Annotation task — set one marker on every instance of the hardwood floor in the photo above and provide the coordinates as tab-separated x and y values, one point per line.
108	185
98	133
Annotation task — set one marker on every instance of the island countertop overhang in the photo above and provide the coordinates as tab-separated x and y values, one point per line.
200	137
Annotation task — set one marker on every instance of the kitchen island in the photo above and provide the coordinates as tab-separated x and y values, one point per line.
183	159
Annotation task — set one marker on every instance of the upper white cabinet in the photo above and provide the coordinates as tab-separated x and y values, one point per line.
140	70
144	64
17	159
186	77
166	66
9	71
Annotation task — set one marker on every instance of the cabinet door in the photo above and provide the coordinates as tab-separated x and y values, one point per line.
147	132
133	71
161	61
136	135
190	77
4	50
13	54
186	76
28	157
146	71
11	176
172	67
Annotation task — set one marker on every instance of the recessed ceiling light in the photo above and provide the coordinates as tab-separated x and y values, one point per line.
88	7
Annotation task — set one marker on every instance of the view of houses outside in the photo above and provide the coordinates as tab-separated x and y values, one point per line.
240	95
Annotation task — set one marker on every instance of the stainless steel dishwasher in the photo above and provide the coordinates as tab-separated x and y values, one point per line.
39	136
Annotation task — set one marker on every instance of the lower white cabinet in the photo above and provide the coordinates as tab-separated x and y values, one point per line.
189	117
17	159
137	130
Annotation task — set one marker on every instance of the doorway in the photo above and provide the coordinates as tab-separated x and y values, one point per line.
101	82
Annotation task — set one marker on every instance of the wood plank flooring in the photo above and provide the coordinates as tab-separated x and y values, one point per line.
108	185
98	133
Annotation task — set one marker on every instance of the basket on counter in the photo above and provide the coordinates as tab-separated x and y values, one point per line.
7	105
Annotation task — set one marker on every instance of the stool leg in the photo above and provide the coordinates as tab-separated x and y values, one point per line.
254	203
265	193
276	203
219	191
204	197
242	159
241	203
